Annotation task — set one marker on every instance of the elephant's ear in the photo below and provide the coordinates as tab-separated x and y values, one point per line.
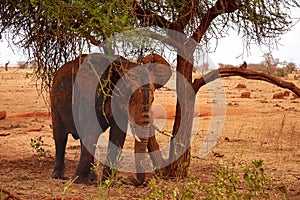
159	74
159	68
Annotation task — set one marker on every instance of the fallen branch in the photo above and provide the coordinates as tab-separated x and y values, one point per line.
248	74
31	114
11	195
4	134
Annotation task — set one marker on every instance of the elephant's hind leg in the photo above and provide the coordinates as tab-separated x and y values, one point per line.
60	138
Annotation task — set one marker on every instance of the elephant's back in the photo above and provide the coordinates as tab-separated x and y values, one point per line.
64	78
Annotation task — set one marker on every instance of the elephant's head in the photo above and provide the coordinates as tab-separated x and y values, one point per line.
155	73
134	92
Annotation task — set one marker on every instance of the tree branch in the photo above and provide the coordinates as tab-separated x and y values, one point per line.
185	17
93	40
151	18
220	7
248	74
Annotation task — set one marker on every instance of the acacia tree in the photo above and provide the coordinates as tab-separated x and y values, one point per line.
53	32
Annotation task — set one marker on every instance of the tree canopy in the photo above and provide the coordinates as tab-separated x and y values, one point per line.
53	32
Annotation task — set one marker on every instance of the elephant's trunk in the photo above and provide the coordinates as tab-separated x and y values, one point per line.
140	148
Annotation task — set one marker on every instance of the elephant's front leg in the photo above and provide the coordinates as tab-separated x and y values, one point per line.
140	148
116	142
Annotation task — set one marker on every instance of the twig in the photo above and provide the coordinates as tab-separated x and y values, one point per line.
162	132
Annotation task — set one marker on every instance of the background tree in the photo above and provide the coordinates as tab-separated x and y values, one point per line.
53	32
291	67
270	63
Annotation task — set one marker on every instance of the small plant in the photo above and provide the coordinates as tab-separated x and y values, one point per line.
28	75
1	188
68	188
226	182
36	145
257	182
104	187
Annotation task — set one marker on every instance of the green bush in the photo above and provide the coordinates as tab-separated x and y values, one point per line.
233	180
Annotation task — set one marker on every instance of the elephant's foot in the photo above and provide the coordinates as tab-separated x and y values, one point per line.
85	178
162	173
58	173
138	180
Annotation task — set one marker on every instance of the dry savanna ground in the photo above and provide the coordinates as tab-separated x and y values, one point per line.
255	128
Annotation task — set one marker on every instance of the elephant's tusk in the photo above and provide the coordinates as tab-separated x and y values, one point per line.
136	137
133	132
162	132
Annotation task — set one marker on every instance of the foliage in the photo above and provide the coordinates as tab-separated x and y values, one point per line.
53	32
1	193
36	145
233	180
270	63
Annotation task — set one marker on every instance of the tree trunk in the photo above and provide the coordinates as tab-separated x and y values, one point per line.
180	151
6	66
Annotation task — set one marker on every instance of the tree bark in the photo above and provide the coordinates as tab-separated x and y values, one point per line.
180	151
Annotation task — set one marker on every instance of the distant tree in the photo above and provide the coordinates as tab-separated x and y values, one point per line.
204	67
221	65
281	72
270	63
6	65
291	67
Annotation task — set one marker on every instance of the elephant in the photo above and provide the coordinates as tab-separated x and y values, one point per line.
129	101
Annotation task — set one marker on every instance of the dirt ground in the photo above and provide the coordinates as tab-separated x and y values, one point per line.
255	128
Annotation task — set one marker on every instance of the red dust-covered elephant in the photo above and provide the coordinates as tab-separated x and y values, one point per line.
102	89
